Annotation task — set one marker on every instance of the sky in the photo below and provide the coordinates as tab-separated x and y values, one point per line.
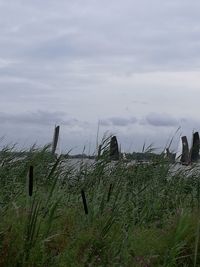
129	67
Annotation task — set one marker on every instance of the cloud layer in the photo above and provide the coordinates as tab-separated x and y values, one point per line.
161	120
132	65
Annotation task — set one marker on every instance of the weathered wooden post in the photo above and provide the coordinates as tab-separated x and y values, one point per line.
30	181
55	139
185	157
114	150
195	147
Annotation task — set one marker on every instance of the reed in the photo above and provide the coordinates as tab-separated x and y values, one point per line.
137	215
84	201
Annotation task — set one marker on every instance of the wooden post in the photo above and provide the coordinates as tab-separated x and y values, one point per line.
55	139
195	147
30	181
114	150
185	157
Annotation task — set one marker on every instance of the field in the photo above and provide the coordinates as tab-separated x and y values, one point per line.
54	214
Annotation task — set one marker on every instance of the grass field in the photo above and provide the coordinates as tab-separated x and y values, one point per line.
133	216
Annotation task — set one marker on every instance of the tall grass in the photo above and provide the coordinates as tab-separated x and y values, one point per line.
133	215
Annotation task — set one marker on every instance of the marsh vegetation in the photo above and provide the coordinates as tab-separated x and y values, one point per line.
53	214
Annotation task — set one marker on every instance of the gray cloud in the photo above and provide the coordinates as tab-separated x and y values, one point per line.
81	62
166	35
39	118
118	121
160	120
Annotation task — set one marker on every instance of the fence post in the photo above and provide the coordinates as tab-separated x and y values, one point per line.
185	157
30	181
195	147
114	149
55	139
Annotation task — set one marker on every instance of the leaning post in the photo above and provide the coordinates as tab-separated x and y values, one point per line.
55	139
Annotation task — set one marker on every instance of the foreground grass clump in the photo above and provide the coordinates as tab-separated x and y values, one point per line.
137	215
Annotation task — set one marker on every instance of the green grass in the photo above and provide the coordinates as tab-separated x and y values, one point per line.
137	215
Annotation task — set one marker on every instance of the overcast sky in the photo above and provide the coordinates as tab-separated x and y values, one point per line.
131	65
